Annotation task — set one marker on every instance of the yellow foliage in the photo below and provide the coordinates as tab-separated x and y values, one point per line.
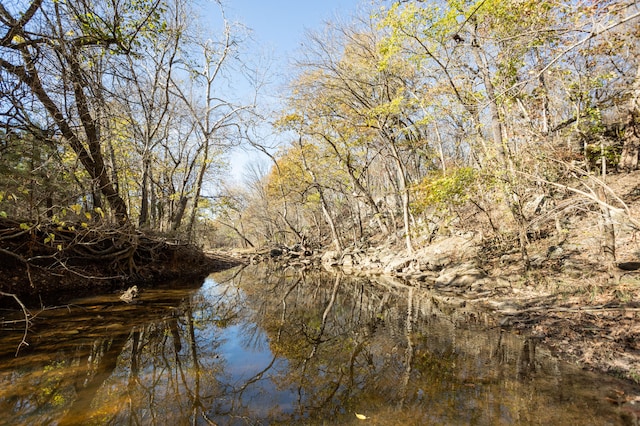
18	39
76	208
444	190
289	176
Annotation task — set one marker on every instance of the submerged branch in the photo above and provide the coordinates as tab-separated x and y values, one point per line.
23	341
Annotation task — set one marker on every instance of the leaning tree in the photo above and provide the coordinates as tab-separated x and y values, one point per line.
54	58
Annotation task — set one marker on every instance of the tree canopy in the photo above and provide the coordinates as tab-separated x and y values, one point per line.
101	105
434	116
413	119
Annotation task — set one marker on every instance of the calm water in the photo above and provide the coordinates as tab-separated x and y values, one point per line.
255	346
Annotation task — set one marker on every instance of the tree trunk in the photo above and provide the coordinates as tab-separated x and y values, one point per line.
239	232
368	198
323	201
440	150
503	156
631	147
608	243
176	220
153	201
198	191
330	221
91	158
403	186
377	214
143	220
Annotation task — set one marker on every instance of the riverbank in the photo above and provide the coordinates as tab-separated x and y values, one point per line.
570	297
566	300
47	264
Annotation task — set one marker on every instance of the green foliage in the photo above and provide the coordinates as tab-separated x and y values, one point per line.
444	190
3	214
120	26
596	152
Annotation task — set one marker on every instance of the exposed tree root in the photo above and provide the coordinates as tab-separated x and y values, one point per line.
48	262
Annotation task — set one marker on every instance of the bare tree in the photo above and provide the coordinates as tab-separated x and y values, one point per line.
146	97
51	48
216	119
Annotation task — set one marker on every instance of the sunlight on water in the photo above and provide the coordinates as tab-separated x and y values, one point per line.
258	346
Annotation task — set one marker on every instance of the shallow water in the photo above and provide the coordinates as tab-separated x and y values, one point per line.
258	346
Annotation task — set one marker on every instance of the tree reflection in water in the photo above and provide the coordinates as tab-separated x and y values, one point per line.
265	346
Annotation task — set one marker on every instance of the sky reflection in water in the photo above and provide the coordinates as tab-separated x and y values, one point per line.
259	346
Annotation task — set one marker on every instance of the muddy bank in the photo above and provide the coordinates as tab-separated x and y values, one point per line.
46	264
567	300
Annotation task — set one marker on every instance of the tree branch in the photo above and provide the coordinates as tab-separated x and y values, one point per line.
26	313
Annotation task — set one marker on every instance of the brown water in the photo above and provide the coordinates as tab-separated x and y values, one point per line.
256	346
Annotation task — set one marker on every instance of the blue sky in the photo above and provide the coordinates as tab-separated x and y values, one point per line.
278	30
280	24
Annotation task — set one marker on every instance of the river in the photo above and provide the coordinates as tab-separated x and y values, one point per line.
258	345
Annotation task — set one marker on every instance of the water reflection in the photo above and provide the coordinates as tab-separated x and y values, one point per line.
258	346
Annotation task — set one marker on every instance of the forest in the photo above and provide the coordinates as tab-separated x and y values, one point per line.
512	120
478	159
427	119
